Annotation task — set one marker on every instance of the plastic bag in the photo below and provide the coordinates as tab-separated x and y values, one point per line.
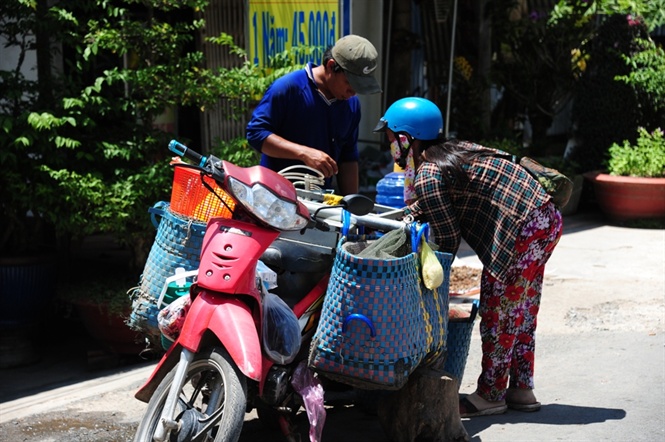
172	317
267	275
311	390
281	331
432	268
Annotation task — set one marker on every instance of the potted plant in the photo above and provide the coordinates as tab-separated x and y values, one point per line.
633	186
101	303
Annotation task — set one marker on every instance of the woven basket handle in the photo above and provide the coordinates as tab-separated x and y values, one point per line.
346	224
359	317
157	210
418	231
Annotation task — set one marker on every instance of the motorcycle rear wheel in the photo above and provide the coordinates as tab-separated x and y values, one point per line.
213	382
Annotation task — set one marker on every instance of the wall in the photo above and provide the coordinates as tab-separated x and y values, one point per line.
367	21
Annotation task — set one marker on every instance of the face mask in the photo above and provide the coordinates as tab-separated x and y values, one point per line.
409	168
395	148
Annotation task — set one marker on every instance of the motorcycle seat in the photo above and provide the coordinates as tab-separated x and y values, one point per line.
299	257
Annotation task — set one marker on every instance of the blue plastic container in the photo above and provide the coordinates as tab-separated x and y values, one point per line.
390	190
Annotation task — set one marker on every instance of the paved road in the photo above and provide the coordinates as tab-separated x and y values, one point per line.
600	362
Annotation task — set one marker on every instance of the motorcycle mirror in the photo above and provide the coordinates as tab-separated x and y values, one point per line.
357	204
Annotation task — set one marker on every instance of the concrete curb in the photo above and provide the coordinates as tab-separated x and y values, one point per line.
63	396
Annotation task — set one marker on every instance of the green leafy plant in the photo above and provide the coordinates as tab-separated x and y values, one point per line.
622	83
80	151
647	72
645	158
237	151
534	66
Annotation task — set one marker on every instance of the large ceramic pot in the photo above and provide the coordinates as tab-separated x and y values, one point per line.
624	198
109	328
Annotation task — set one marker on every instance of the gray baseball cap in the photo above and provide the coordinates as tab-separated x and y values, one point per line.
358	57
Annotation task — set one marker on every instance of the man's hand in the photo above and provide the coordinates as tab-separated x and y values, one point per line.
278	147
320	161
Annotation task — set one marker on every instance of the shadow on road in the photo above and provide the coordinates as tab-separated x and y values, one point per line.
551	414
343	423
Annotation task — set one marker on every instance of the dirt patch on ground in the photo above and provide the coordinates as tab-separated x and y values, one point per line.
618	315
464	279
68	426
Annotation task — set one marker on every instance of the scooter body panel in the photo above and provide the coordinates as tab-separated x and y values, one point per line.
229	254
232	322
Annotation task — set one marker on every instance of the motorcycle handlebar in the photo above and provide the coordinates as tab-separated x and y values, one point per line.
333	217
184	151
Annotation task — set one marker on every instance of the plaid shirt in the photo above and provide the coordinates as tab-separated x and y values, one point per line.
487	212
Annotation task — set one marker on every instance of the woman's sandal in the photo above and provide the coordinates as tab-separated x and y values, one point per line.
522	400
524	407
467	409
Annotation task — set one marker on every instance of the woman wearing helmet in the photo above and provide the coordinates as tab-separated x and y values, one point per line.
468	191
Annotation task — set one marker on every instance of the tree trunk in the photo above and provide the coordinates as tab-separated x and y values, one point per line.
426	408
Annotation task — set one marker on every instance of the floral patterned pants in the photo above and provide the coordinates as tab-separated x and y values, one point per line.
508	309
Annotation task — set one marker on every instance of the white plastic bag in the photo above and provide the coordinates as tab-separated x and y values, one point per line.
267	276
281	331
172	317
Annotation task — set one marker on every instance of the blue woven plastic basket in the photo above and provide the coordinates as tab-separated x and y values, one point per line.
177	244
458	343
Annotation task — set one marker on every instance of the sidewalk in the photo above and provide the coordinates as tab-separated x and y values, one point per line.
600	362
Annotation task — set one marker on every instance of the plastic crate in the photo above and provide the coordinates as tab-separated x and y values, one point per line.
190	198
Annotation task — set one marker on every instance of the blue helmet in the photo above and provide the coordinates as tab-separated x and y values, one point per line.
418	117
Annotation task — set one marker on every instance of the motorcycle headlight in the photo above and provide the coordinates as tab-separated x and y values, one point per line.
268	207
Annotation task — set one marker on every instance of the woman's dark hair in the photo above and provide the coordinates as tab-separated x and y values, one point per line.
450	156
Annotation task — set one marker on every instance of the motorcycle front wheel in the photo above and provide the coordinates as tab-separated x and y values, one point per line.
212	401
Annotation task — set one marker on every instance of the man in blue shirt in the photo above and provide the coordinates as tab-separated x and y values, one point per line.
311	116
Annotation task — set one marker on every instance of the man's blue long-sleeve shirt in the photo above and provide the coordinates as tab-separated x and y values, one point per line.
293	108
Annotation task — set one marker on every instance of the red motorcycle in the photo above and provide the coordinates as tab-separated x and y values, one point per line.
219	368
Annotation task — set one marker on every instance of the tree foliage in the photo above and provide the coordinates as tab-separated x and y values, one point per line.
79	146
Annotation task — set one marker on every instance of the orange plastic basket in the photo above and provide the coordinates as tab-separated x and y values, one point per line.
191	199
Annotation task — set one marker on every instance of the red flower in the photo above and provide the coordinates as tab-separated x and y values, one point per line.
528	356
514	293
491	319
633	21
531	292
519	319
506	340
534	310
530	272
493	301
488	347
501	383
524	338
521	246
